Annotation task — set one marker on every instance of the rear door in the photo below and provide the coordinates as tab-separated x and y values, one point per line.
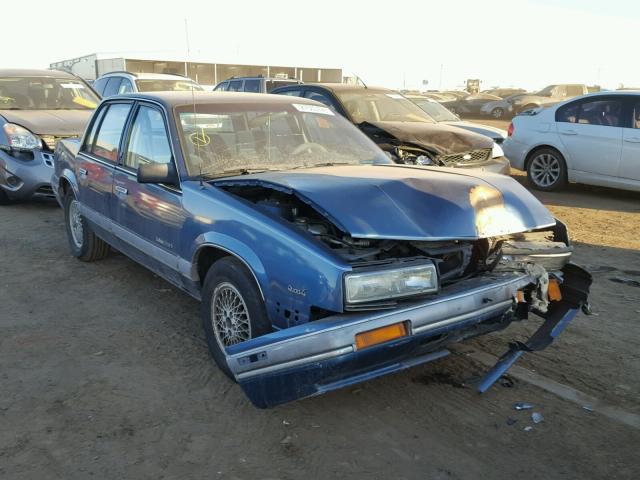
591	131
148	217
97	160
630	163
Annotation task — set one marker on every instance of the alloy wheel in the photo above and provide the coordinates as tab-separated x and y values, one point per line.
545	170
229	316
75	224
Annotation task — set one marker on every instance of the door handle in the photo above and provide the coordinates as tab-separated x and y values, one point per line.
632	139
569	132
121	190
82	172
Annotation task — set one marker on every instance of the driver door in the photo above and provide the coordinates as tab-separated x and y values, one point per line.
148	217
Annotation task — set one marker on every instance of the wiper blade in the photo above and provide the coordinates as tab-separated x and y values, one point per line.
232	172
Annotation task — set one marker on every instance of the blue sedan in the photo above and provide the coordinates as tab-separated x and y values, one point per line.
318	262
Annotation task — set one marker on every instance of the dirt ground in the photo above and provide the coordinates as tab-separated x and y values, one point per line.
104	373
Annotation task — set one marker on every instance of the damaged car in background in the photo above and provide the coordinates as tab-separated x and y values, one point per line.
319	263
404	130
37	109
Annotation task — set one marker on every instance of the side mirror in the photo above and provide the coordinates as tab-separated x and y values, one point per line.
158	173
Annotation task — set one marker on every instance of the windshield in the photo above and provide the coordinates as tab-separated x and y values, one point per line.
230	139
435	110
45	93
151	85
365	106
546	92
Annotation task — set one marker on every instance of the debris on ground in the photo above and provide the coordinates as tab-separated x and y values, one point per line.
588	408
537	417
626	281
511	421
528	428
523	406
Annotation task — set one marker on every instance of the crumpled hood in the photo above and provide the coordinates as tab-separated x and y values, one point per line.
50	122
406	202
441	138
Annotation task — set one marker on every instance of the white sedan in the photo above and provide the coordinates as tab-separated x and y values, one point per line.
593	139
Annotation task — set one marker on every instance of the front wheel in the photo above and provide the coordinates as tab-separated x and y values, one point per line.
547	170
84	244
497	112
232	309
4	198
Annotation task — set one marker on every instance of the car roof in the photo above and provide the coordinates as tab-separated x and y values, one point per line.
345	88
147	76
27	72
260	77
176	99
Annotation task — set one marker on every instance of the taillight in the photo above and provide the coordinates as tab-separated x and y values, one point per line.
510	130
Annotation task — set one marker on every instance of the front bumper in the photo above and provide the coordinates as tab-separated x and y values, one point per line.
321	356
22	179
495	165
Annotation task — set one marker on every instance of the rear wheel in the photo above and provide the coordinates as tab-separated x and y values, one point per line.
232	309
497	112
547	170
84	244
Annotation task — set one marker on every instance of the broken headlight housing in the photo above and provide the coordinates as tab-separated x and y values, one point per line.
374	286
553	256
497	151
19	138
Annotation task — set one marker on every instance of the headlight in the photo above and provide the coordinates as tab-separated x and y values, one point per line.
497	151
20	138
389	284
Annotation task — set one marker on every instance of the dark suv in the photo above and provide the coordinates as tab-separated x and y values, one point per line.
254	84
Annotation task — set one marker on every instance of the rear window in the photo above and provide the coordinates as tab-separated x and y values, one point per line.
271	84
252	86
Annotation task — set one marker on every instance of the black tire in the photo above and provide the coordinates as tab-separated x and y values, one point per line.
497	112
88	247
555	177
226	272
4	198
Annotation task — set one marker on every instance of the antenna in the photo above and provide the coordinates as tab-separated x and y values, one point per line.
193	103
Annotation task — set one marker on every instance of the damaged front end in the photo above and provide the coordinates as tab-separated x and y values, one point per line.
419	295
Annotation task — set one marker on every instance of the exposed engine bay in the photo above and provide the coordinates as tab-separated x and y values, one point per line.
455	259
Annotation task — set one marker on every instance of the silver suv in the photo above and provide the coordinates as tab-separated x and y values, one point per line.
254	84
115	83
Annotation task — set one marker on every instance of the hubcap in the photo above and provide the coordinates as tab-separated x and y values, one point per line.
229	316
75	223
545	170
497	113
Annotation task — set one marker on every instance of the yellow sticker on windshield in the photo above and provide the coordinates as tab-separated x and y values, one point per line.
84	102
200	139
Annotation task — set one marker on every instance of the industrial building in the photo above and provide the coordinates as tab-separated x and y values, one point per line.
93	65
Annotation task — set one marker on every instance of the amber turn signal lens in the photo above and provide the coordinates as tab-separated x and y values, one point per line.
520	296
554	290
380	335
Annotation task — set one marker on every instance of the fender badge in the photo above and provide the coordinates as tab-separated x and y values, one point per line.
297	291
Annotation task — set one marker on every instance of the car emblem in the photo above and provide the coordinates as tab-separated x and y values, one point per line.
466	156
297	291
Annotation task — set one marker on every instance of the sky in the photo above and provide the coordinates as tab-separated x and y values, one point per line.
398	44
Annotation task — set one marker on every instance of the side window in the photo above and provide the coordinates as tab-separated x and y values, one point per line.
235	86
568	113
148	142
107	141
88	142
636	115
125	86
252	86
601	112
113	85
222	87
99	85
320	97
